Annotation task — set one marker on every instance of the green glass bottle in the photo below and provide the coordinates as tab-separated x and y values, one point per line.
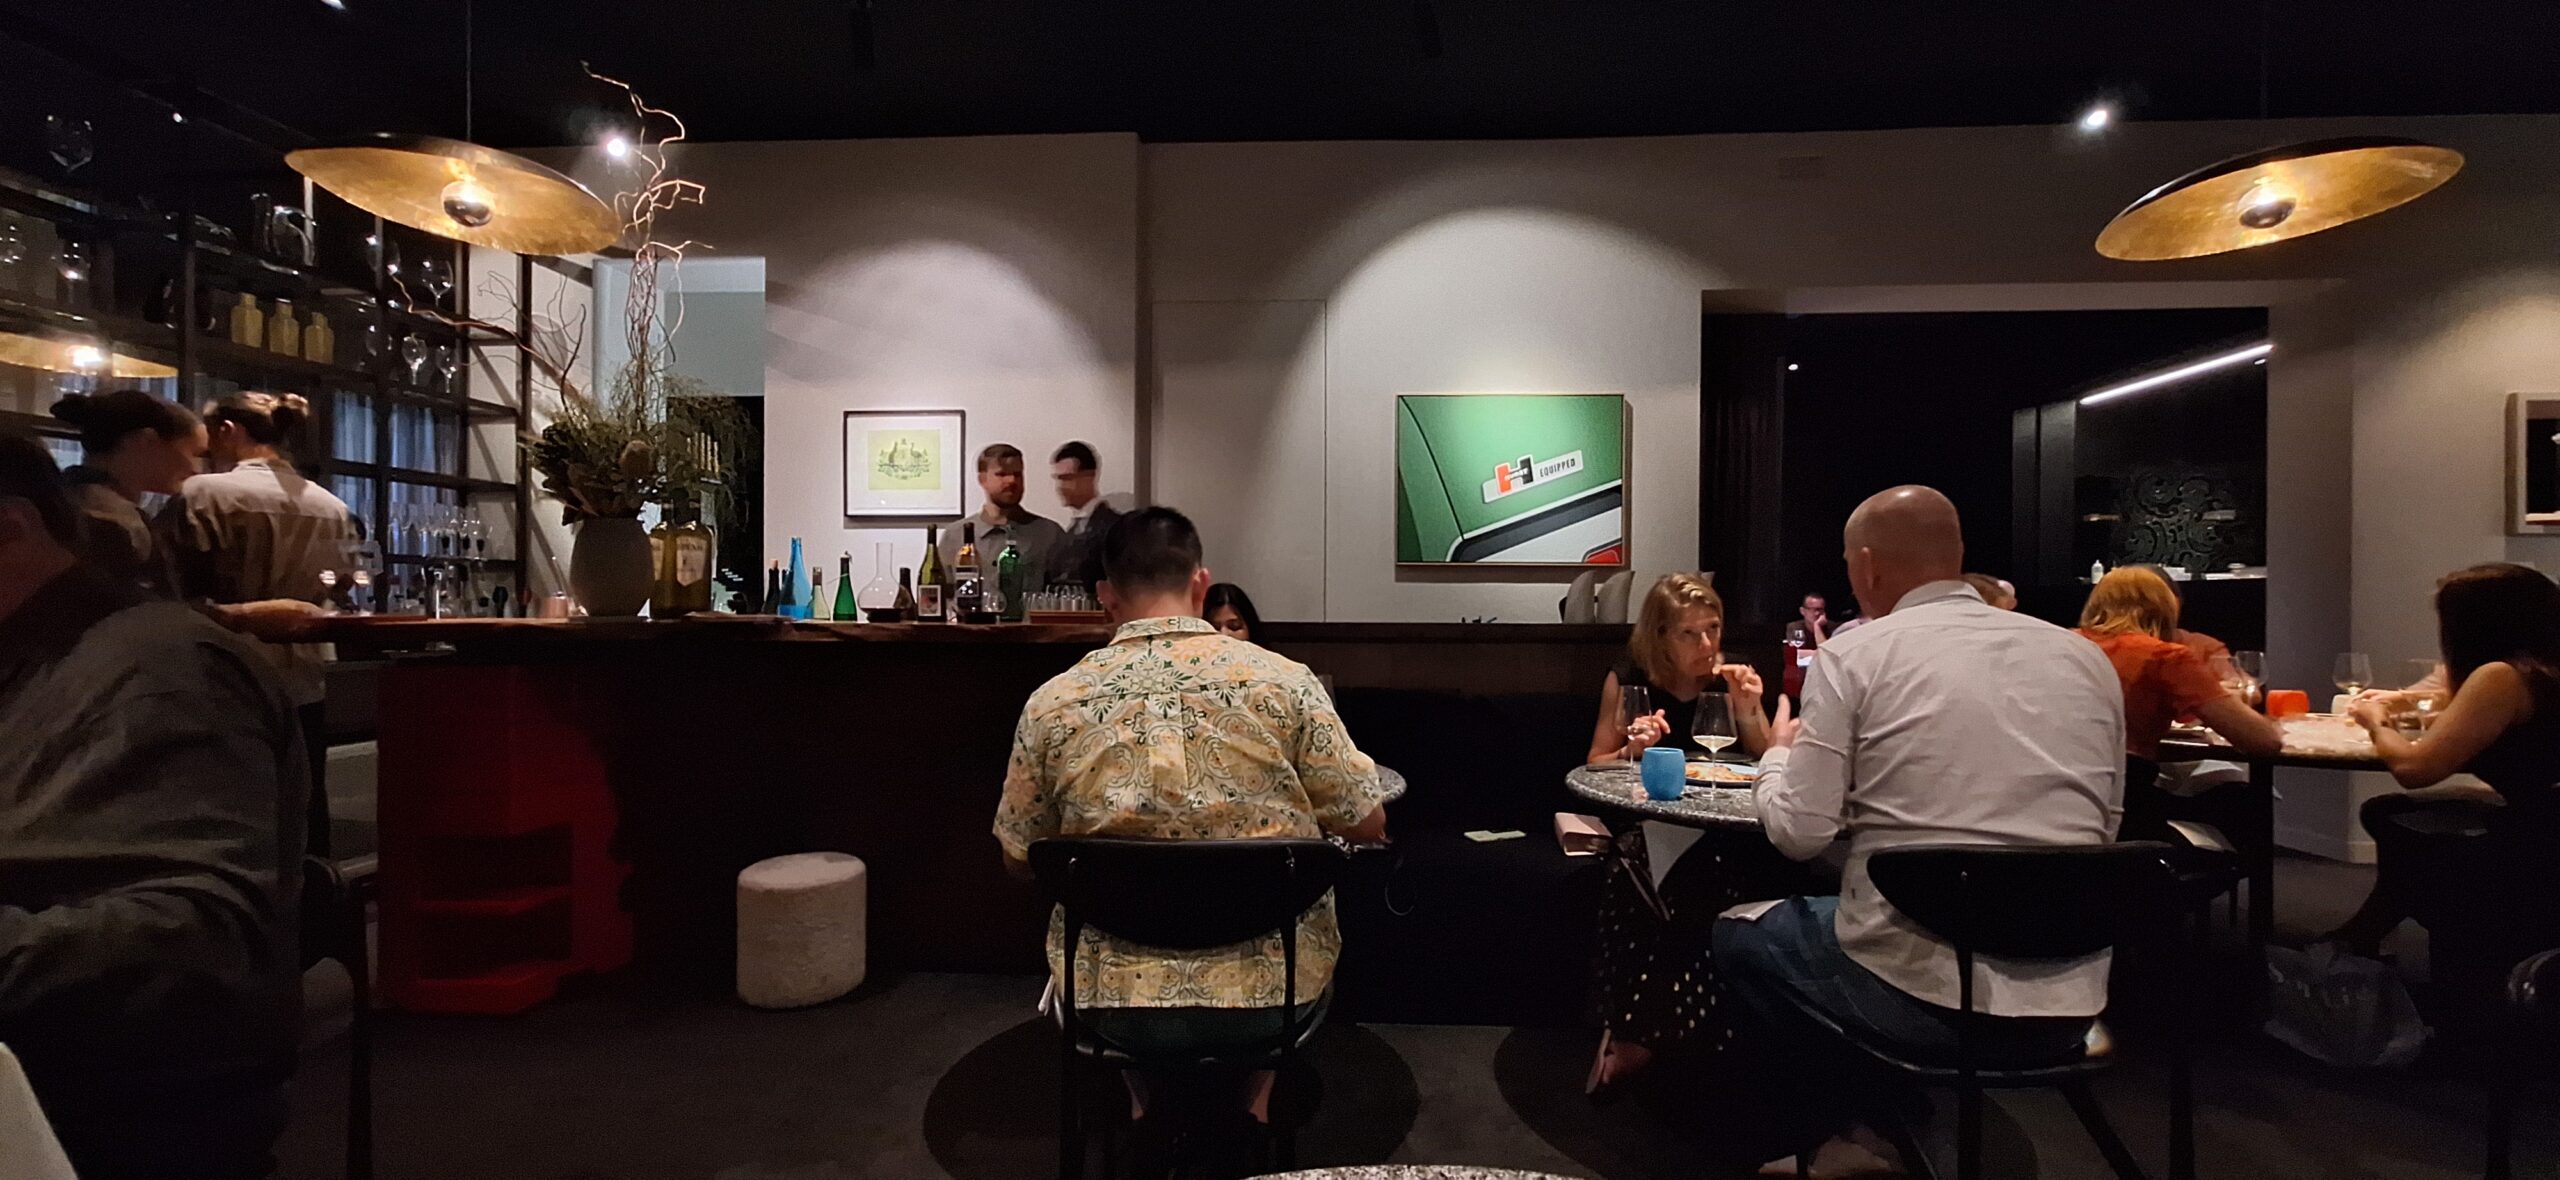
1009	580
845	611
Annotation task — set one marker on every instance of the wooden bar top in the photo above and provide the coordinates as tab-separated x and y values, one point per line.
405	632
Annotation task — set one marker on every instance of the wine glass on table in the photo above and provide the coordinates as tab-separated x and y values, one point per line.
2353	672
1633	702
1712	723
2424	691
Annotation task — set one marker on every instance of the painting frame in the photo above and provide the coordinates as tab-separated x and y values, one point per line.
942	470
1454	515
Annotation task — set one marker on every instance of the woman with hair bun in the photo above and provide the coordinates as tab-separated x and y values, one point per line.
134	444
251	541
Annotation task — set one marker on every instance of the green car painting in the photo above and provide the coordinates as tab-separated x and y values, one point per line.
1511	479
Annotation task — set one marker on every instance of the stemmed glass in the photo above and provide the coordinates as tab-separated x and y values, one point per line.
69	140
438	358
1633	702
413	353
363	558
450	359
72	261
2244	674
1712	723
13	241
2352	673
2422	704
436	275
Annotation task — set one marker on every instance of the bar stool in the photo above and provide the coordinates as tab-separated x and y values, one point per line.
2533	1010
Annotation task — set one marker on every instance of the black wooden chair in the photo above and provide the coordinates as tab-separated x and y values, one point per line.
333	928
2033	903
1181	895
2533	1010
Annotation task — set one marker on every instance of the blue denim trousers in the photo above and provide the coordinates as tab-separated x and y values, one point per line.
1790	959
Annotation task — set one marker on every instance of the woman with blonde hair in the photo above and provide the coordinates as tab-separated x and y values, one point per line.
1676	654
1654	986
2132	615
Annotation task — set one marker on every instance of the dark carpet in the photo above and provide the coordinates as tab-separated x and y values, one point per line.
949	1076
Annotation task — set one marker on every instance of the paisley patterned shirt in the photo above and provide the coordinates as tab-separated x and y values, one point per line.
1175	732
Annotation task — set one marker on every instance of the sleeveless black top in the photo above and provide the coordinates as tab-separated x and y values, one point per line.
2524	763
1681	714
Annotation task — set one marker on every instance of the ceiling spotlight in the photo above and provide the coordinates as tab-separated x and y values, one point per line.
339	5
2097	118
1792	366
617	145
177	116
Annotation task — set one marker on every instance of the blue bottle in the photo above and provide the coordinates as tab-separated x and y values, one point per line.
796	577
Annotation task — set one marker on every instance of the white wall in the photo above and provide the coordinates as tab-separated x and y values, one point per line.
997	276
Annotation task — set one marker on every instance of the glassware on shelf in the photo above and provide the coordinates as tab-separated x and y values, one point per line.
13	241
450	359
436	275
70	141
413	353
72	262
364	565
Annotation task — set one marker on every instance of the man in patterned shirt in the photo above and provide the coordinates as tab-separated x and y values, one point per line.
1176	732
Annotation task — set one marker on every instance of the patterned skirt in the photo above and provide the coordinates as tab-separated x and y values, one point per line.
1656	980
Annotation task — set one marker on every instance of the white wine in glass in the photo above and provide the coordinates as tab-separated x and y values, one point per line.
1712	723
2353	672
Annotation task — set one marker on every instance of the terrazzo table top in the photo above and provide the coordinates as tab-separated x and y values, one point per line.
1415	1172
1620	787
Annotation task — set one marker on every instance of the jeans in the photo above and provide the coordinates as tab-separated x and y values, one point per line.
1791	959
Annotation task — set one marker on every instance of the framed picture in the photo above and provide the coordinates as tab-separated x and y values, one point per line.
905	464
1511	479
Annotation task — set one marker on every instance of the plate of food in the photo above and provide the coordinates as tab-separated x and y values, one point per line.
1723	774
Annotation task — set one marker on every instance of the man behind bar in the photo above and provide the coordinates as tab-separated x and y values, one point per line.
152	784
1002	519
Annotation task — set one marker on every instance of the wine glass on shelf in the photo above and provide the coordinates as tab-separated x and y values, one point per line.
1712	723
1633	702
439	362
2352	673
13	241
70	141
413	353
436	275
364	558
450	359
72	262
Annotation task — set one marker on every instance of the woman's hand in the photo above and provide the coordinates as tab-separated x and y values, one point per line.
1646	732
1742	687
2373	711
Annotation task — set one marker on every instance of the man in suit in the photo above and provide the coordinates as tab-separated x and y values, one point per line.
1079	475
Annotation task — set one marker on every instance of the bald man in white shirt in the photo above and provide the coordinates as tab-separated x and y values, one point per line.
1946	720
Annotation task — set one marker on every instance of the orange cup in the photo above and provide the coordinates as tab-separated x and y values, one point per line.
2287	702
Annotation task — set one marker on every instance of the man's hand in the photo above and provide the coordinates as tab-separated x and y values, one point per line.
276	620
1782	732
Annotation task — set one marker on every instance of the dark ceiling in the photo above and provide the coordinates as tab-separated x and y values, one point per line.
1320	69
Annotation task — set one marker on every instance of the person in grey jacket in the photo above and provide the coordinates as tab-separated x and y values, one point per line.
152	792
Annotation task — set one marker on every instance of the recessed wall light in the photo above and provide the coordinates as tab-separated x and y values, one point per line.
617	145
2255	352
1792	366
2097	118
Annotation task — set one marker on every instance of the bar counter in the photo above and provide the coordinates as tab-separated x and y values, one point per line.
567	796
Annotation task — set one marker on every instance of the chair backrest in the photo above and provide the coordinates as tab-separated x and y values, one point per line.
1186	894
2533	995
2028	902
324	911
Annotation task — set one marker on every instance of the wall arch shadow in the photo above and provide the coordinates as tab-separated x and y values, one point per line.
993	1114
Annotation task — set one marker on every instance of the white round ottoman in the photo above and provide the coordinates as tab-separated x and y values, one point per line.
802	926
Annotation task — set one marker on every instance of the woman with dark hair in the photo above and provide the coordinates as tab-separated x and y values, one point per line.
1231	612
134	445
251	541
2479	874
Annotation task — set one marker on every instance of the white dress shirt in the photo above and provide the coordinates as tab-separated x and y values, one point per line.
1951	721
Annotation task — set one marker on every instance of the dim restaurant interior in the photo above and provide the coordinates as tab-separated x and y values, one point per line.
1424	588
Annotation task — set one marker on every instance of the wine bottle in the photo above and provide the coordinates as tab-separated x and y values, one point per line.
662	565
844	589
818	593
932	586
772	589
792	606
1009	581
693	545
906	596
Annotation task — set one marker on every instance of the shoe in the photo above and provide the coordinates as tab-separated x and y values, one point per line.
1838	1159
1615	1062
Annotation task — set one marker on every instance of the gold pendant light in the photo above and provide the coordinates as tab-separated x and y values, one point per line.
463	191
2275	194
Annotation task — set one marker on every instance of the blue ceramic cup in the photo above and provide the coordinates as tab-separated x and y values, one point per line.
1666	771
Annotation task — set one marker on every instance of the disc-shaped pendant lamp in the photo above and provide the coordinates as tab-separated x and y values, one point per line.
461	190
2275	194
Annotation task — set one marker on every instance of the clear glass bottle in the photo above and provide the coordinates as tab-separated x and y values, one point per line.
879	597
284	333
248	324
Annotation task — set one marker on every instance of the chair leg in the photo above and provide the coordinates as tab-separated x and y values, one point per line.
1070	1135
1284	1135
2085	1104
2501	1130
358	961
1969	1133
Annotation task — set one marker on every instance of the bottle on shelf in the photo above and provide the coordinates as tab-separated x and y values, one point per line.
905	603
818	593
845	610
932	586
284	333
771	604
662	563
792	607
1009	582
968	595
879	597
319	343
693	544
248	324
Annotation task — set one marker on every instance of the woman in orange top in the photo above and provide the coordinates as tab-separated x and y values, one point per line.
2133	616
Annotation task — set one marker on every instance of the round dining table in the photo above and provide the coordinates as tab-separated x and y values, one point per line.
1414	1172
1618	785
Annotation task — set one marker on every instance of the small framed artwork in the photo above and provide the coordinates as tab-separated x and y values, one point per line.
905	464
